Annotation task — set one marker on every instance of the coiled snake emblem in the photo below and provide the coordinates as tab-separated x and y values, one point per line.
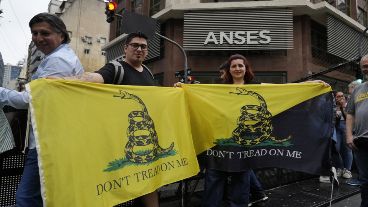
141	132
254	123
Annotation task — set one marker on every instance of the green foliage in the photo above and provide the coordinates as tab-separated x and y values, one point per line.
123	162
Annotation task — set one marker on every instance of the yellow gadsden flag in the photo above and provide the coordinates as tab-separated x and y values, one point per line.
101	145
241	113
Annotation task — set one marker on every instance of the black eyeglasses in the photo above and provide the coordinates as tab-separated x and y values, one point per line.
135	46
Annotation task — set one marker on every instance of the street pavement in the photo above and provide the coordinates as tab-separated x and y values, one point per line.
306	193
353	201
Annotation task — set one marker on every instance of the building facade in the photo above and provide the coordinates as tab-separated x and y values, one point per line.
6	77
88	30
11	74
285	40
1	70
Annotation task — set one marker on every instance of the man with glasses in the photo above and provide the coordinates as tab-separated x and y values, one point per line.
356	121
136	50
135	73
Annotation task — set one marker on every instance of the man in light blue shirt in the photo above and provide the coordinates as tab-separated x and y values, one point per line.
51	37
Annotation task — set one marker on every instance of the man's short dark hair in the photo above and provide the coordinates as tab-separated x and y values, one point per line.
54	21
224	66
134	35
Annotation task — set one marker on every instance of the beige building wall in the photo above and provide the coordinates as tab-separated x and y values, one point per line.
170	3
89	31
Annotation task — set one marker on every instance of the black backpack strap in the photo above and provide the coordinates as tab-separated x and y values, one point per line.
119	72
145	67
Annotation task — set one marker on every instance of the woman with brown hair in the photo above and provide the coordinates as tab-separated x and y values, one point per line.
238	71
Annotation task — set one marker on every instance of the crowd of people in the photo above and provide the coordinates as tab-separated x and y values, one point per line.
243	188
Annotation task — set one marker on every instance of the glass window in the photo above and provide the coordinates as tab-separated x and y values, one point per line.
86	51
362	16
209	77
88	39
319	44
206	76
155	6
102	40
211	1
318	40
137	6
344	6
270	77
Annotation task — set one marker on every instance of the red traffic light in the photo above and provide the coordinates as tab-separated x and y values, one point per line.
111	5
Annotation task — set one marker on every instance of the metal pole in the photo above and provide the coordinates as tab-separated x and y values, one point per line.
330	69
184	54
334	67
182	182
119	15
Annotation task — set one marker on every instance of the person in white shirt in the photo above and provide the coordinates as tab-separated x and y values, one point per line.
51	37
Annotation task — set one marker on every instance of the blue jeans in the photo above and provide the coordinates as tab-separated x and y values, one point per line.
29	189
255	185
361	161
345	152
215	182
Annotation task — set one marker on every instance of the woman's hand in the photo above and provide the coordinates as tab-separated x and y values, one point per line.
317	81
54	77
350	142
178	84
341	101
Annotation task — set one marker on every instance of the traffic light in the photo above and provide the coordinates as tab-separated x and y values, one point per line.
190	78
110	10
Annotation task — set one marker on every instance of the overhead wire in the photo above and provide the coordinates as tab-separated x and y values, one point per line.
16	17
9	41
